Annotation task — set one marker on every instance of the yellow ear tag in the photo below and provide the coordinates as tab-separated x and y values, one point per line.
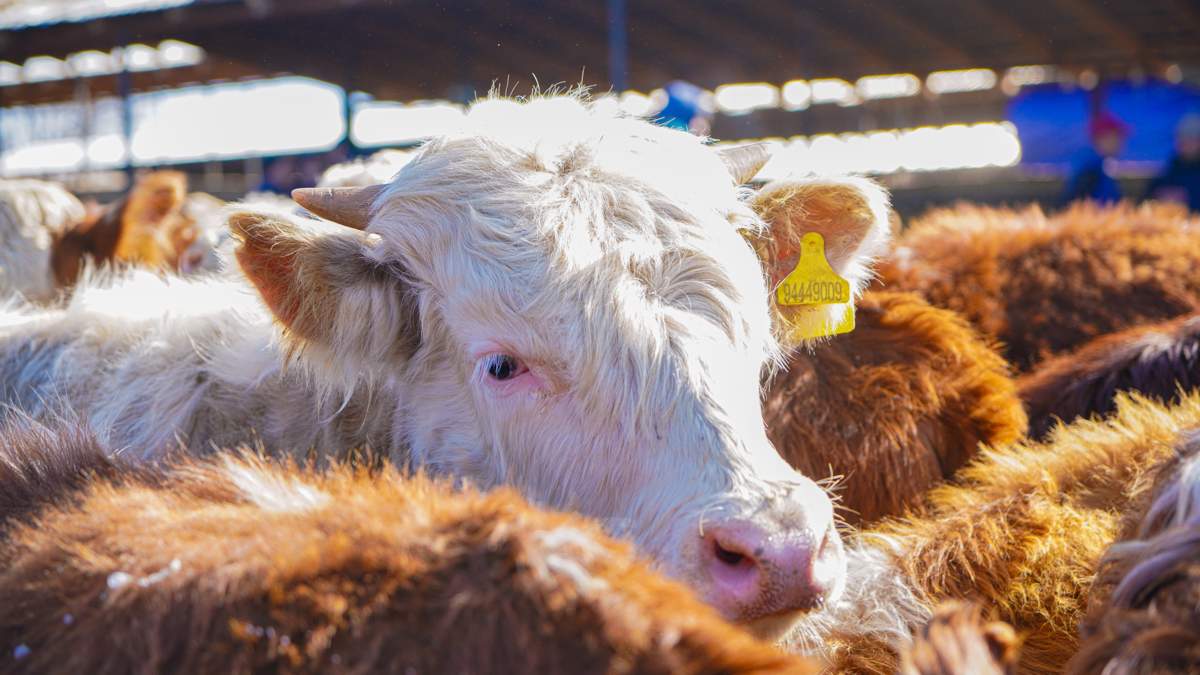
811	286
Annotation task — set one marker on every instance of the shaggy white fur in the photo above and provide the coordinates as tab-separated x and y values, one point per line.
380	167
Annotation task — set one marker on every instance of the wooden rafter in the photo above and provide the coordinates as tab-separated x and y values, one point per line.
62	39
916	32
802	21
211	70
1093	14
650	63
1187	10
580	57
720	36
1031	42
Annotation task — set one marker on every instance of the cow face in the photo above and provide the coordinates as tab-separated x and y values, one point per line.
569	304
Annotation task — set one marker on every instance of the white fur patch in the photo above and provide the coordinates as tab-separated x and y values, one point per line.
878	602
565	553
273	493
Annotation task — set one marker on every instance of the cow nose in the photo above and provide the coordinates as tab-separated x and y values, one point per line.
754	573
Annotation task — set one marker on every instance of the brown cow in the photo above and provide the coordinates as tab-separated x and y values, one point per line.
1022	530
236	566
147	227
894	407
1159	360
1144	609
1045	284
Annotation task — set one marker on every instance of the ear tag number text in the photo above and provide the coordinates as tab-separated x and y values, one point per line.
811	286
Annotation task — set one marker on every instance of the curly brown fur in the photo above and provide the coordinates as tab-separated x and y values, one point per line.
895	407
1159	360
1144	608
1044	284
959	641
1021	531
239	566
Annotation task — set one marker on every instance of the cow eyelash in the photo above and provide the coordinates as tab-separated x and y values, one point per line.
502	367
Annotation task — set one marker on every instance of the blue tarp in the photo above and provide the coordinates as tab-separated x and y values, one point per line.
1052	122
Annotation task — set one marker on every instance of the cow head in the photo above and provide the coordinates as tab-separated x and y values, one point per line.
146	227
570	307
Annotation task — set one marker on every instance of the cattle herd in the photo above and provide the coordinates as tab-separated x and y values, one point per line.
531	405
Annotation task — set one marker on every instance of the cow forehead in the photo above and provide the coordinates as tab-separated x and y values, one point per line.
536	213
554	209
580	268
563	155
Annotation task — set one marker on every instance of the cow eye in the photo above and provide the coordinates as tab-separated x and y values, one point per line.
501	367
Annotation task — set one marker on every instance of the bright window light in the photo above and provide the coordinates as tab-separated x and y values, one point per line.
787	159
173	54
1022	76
92	63
827	154
951	81
107	151
888	86
44	69
240	119
998	141
658	100
878	152
19	14
378	124
637	104
140	57
833	90
10	73
797	95
739	99
955	146
51	156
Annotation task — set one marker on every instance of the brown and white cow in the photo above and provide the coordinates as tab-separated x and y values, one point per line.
34	215
48	237
556	299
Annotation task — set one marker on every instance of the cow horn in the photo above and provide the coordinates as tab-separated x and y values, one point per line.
349	206
745	161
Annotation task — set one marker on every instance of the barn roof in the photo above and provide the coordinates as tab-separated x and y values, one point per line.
424	48
17	14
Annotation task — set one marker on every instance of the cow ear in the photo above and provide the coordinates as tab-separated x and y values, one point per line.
328	288
151	209
852	215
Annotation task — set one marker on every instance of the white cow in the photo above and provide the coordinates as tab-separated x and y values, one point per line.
561	299
33	215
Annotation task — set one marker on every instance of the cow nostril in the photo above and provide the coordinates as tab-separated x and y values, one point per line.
731	558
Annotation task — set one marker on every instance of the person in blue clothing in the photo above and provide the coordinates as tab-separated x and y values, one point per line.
1092	178
1181	180
686	108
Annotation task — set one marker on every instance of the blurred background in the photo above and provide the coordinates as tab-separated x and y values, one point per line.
992	101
